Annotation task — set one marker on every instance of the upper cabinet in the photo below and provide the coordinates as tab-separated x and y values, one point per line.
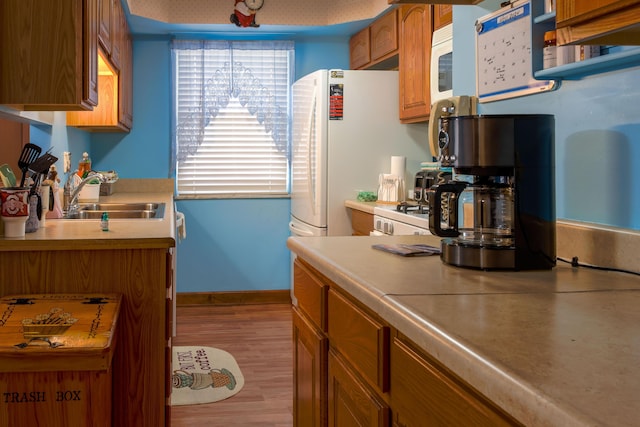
49	54
603	22
442	15
415	55
115	78
376	46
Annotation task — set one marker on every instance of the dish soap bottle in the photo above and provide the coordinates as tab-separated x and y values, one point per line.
84	165
104	222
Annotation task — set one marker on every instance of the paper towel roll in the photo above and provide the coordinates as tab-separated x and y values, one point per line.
398	166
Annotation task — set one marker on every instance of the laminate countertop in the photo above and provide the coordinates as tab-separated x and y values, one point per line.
552	348
68	234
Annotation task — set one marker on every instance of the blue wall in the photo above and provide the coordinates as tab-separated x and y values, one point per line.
597	131
240	244
231	245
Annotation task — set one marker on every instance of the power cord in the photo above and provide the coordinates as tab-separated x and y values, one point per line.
576	263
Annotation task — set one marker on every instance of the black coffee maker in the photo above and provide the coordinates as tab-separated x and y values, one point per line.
498	212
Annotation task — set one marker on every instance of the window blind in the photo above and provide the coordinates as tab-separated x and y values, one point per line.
231	119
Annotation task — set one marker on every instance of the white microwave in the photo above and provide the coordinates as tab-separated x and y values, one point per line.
442	63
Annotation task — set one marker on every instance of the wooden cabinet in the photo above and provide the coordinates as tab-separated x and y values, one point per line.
143	276
361	222
364	343
105	24
352	404
384	36
376	46
444	400
604	22
360	49
354	368
415	57
49	54
309	373
442	15
114	109
310	345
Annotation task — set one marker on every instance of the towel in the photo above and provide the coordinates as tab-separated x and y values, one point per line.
181	226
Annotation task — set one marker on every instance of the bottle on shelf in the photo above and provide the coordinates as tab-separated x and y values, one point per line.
84	165
549	52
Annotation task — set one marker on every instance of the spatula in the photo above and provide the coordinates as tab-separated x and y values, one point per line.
29	154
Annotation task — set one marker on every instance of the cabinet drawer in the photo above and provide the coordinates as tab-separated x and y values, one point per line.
444	399
350	402
363	341
311	294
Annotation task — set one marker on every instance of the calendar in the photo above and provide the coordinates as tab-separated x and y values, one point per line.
504	54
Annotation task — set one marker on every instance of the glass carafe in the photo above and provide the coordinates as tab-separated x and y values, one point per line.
485	215
475	213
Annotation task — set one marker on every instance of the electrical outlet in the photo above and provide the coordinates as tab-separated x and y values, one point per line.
66	162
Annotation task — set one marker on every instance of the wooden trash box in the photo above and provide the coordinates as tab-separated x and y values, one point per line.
55	359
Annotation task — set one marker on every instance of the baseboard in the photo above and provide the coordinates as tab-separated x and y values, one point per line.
234	298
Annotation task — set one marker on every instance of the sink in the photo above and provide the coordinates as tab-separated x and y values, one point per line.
120	206
120	211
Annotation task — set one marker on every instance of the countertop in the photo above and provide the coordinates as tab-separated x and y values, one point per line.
558	347
65	234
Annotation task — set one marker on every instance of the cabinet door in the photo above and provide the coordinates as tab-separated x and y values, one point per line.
601	22
119	31
360	49
105	20
415	55
384	35
351	404
309	373
442	15
360	339
361	223
49	54
444	401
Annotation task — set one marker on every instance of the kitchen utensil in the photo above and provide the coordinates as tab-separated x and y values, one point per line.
7	176
42	164
29	154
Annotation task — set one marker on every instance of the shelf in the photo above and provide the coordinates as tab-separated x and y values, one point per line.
547	17
599	64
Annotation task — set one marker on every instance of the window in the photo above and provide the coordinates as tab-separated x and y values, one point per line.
231	118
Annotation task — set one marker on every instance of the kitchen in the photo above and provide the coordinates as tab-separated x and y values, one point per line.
596	137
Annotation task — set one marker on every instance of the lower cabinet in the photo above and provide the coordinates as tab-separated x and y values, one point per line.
142	358
309	373
351	402
361	222
424	394
353	369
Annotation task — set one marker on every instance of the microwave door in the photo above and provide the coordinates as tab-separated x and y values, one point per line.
441	77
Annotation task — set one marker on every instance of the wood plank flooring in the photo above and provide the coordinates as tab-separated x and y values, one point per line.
259	337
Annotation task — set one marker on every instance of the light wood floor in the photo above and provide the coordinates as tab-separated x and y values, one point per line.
259	337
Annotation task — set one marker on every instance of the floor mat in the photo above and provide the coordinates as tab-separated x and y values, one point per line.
203	375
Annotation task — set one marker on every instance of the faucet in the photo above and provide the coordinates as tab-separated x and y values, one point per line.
72	206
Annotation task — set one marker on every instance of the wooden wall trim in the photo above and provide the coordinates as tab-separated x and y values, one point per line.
234	298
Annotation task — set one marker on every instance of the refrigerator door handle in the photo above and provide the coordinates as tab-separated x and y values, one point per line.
311	178
299	231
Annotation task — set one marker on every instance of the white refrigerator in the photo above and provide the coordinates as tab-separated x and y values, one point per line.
345	130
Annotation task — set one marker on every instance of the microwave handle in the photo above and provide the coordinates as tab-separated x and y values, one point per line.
463	105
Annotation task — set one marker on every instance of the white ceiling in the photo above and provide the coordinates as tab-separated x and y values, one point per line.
276	16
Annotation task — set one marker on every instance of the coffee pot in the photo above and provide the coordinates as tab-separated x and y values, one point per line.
498	210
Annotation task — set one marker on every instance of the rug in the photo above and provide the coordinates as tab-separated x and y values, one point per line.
203	375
